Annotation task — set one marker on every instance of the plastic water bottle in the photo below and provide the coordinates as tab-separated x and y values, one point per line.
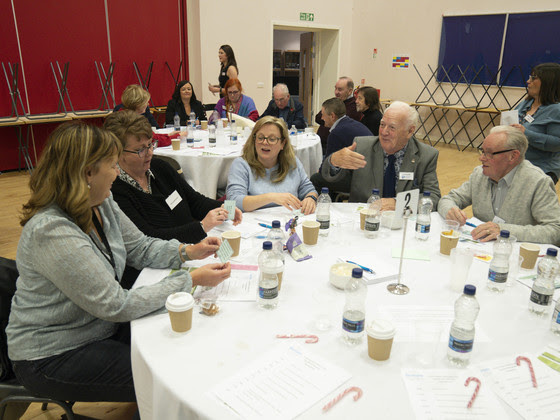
354	315
190	136
233	134
423	217
499	266
277	237
555	323
176	122
192	119
271	268
543	288
371	226
212	135
293	135
324	212
461	335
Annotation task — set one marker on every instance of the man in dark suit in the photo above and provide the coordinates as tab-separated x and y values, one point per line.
343	90
285	107
393	162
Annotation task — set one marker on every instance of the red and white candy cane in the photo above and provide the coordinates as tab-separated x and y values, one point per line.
342	394
475	393
526	359
311	338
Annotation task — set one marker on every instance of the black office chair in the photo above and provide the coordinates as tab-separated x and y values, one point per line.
10	389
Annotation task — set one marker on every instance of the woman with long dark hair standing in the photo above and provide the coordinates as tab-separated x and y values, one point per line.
228	70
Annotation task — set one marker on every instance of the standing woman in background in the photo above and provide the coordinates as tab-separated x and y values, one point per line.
539	118
183	102
228	70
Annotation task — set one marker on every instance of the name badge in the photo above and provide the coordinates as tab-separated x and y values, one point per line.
407	176
173	200
498	220
529	118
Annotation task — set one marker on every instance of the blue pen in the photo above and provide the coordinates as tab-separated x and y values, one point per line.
470	224
265	225
369	270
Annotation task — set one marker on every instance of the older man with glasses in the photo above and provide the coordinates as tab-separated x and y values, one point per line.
506	192
285	107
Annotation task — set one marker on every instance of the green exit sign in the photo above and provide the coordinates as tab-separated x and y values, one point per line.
310	17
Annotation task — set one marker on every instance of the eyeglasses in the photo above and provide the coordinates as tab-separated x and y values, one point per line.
490	155
285	98
144	150
533	77
233	92
271	139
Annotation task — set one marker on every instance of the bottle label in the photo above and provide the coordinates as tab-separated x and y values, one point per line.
422	228
353	326
556	316
371	226
540	299
460	346
324	224
497	277
265	293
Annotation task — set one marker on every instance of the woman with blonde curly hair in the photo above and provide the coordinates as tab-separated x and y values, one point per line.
268	173
65	333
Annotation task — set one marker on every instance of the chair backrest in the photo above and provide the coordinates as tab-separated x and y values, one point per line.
8	278
174	164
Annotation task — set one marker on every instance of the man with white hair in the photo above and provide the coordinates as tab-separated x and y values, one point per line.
507	192
393	162
285	107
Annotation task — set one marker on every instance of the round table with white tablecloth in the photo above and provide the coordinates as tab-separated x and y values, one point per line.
206	169
175	374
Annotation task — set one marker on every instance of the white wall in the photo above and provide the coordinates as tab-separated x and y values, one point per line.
393	27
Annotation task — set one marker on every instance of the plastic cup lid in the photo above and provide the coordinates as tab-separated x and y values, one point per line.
180	301
381	329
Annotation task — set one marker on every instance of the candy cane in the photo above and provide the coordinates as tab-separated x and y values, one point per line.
526	359
342	394
475	393
311	338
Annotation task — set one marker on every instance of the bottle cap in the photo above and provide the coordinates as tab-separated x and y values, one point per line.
357	273
375	191
324	190
267	245
553	252
504	233
469	290
427	193
275	224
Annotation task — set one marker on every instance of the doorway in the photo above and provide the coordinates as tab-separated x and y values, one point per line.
303	57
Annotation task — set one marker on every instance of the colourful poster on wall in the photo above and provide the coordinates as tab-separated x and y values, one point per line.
401	61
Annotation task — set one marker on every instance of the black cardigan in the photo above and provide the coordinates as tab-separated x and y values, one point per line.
151	214
174	106
371	120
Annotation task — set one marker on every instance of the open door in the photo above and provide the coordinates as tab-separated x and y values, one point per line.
306	75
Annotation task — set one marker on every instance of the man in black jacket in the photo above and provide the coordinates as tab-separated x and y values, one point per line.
285	107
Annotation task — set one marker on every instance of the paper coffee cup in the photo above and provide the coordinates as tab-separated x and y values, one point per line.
176	143
380	339
180	307
234	239
363	215
310	232
529	252
449	236
204	124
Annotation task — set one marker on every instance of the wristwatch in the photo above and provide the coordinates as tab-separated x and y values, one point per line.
183	253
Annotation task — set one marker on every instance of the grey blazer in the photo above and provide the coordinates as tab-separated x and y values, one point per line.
530	209
419	159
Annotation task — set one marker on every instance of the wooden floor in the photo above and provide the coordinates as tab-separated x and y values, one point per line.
454	167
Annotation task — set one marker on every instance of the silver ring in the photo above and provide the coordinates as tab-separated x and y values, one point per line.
488	231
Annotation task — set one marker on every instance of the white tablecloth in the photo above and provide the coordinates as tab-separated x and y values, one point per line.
174	372
206	172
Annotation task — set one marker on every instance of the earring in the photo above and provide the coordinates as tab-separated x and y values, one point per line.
89	186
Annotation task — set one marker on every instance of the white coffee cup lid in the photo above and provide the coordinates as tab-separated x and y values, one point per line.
381	329
180	301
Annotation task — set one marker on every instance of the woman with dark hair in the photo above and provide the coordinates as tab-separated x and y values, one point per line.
268	173
183	102
228	70
367	102
236	103
539	118
65	334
